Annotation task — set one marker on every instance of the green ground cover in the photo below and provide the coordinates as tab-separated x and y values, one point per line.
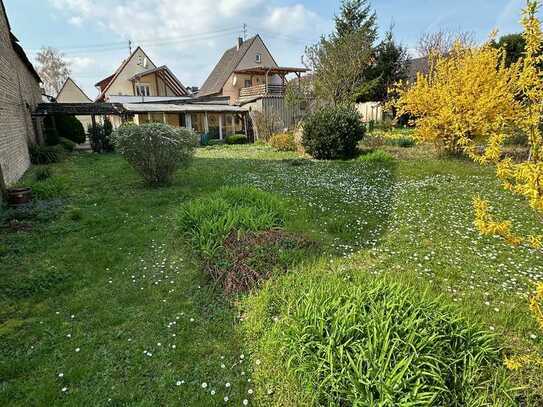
103	302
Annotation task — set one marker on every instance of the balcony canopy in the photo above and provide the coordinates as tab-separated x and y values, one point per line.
164	73
277	70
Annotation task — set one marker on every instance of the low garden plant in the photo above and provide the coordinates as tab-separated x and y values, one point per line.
321	339
155	150
283	142
333	133
236	139
238	234
377	155
44	154
208	222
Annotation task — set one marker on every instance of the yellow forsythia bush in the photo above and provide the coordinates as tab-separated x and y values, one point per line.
283	142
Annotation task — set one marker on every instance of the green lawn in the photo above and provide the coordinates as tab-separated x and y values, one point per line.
102	298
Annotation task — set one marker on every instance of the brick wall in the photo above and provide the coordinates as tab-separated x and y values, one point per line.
19	94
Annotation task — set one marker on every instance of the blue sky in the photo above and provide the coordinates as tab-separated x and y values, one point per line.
190	35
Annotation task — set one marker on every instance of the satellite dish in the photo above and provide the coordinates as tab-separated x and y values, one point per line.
235	80
145	62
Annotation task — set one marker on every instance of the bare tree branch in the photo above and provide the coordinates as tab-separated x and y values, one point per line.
53	69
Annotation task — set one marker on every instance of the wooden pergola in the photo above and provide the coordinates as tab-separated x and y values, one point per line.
80	109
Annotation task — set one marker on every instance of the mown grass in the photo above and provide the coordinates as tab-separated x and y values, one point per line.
106	249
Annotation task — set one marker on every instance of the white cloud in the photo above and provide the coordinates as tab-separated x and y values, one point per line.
291	19
190	35
80	64
76	20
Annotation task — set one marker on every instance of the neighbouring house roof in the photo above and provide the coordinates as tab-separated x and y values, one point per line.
224	68
175	108
104	82
166	75
71	81
107	82
416	66
17	47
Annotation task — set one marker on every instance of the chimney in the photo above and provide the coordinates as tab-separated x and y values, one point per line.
239	43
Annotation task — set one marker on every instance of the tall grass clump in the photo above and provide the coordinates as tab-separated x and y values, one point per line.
208	221
323	341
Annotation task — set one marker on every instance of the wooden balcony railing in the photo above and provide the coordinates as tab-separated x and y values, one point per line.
262	90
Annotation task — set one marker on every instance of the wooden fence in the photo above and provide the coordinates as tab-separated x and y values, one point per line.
370	111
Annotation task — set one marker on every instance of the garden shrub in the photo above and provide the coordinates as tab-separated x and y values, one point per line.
208	221
298	139
51	135
283	142
333	133
236	139
69	127
68	145
155	150
266	123
40	154
101	137
322	339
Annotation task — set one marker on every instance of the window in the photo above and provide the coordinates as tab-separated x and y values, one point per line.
143	90
258	58
248	83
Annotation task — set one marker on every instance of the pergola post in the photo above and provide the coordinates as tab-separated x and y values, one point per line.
3	186
220	125
54	122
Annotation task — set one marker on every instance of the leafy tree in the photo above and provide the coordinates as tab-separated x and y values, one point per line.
341	62
341	67
53	69
356	16
514	46
390	67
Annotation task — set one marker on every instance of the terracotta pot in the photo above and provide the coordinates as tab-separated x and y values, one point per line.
19	196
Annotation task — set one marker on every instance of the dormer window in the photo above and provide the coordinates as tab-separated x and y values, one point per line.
143	90
258	58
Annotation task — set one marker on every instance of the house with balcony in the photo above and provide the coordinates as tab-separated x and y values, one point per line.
150	93
248	75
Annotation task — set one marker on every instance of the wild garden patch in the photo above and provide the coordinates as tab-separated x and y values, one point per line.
248	259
